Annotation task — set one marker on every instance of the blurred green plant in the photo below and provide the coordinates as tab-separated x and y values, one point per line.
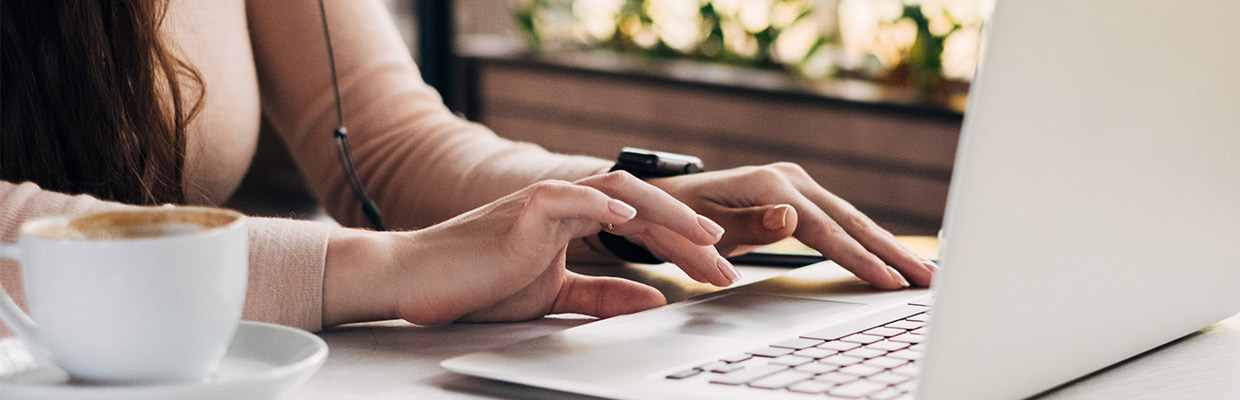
919	43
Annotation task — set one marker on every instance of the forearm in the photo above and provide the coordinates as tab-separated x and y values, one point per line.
353	277
420	162
441	176
285	283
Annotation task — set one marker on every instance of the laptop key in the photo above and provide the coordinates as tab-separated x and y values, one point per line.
688	373
861	338
886	394
797	343
864	353
771	352
889	378
791	360
908	338
884	332
780	380
839	346
736	358
817	368
841	360
860	324
906	324
861	370
906	355
811	387
856	389
815	352
906	370
749	373
886	345
835	378
885	362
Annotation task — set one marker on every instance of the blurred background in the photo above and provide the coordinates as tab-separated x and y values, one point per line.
867	95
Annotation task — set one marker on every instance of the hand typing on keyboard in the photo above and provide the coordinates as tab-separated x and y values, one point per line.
763	204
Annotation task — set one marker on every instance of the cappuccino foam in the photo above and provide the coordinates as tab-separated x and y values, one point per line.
133	231
135	224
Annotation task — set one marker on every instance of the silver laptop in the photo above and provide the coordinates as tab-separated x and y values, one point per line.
1094	214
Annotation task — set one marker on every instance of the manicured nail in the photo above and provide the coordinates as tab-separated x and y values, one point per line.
930	265
776	217
710	226
897	276
620	208
728	269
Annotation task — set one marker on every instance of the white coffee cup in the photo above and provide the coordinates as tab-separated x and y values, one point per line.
150	295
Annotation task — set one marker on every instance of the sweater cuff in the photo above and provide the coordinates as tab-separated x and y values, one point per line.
287	258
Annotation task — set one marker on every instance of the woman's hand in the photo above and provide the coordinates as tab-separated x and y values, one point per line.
506	260
761	205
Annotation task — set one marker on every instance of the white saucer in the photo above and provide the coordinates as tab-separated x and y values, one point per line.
262	362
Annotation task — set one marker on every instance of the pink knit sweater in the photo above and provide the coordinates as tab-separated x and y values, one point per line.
420	163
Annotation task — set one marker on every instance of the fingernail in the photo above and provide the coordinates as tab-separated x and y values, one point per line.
728	269
930	265
898	277
621	208
776	217
710	226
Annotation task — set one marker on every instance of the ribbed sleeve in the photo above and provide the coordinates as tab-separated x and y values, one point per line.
286	256
286	272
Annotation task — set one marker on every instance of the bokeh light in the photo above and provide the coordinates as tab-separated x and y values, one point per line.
817	38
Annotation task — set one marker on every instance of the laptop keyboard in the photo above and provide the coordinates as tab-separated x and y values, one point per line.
875	362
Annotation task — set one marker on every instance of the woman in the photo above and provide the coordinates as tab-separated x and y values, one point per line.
139	102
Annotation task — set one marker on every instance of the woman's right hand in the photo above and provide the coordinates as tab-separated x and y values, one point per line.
505	261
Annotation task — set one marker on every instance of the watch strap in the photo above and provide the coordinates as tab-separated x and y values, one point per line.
626	250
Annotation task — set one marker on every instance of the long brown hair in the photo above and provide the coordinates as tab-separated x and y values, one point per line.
92	101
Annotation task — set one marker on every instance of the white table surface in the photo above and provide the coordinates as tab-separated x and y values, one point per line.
398	360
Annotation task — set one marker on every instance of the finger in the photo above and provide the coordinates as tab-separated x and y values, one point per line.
531	300
701	263
858	228
551	203
875	239
819	231
655	205
879	241
604	297
758	225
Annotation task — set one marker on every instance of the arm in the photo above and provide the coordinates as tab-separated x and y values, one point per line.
505	261
286	256
419	162
423	165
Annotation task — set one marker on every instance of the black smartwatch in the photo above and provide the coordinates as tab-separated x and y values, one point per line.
656	164
646	164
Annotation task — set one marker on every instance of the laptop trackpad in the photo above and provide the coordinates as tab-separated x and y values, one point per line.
742	315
